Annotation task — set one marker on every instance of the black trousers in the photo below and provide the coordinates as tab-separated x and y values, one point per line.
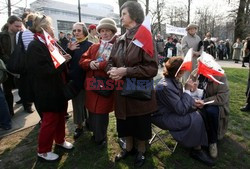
8	85
210	114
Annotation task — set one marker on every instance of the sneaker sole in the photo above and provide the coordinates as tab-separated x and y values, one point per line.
44	160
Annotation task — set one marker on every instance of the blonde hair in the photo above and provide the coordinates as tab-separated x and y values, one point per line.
41	22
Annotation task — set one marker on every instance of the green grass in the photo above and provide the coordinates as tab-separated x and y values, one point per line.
19	150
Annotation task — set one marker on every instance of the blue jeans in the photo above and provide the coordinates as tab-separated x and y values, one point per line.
5	118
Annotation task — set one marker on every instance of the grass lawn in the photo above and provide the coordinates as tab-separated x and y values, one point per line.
18	151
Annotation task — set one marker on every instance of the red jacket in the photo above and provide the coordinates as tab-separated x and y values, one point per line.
94	102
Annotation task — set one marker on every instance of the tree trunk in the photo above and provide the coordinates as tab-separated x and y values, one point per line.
189	3
240	23
121	2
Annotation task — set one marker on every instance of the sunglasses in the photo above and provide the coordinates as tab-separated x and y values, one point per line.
77	30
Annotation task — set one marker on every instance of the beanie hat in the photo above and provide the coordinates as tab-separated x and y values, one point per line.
107	23
191	25
92	26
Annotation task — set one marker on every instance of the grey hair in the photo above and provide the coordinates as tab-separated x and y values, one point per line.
84	28
135	11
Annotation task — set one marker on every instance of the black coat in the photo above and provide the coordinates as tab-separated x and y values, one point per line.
46	81
75	72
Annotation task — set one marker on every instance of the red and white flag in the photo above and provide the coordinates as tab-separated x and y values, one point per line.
209	68
56	56
143	37
187	62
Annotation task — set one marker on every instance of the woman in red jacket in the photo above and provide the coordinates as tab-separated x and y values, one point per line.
94	61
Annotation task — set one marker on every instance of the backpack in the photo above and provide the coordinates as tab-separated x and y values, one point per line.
3	72
16	62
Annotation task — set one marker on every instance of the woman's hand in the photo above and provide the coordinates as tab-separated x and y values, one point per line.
189	84
94	65
117	73
73	45
67	57
199	103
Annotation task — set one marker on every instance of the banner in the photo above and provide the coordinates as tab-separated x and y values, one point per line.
175	30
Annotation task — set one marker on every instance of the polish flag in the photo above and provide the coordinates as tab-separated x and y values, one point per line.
56	56
187	62
143	37
209	68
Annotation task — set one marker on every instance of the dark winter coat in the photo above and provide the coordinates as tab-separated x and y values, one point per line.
176	114
47	81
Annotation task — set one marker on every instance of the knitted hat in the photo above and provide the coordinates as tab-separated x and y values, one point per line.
107	23
92	26
191	25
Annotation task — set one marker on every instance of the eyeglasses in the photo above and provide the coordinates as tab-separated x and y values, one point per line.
77	30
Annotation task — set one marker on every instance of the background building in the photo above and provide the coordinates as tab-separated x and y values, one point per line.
64	15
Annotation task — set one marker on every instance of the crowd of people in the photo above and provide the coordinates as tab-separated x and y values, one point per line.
97	53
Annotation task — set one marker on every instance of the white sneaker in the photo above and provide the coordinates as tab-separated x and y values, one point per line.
213	151
67	145
49	156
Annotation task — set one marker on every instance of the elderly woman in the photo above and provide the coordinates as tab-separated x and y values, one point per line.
94	61
130	61
77	74
191	40
216	113
177	111
47	88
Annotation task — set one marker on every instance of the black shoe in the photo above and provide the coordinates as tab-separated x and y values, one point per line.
19	102
78	133
245	108
243	65
124	154
28	110
202	157
140	159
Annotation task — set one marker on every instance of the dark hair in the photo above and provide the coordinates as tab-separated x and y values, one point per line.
172	65
13	18
135	11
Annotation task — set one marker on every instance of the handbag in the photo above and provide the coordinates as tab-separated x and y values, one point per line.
102	88
135	93
70	90
3	72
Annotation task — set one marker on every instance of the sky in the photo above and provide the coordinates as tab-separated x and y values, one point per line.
220	6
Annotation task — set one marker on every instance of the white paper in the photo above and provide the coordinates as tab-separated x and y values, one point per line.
209	102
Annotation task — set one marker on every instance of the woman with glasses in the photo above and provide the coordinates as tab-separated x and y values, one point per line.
94	61
77	74
47	89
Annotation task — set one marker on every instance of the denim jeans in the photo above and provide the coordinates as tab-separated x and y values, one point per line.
5	118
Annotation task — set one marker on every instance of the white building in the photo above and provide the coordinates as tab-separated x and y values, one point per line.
64	15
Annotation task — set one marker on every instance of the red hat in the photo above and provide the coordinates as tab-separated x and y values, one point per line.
92	26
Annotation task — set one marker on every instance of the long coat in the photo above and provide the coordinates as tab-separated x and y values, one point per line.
140	66
47	81
220	95
176	114
237	50
95	103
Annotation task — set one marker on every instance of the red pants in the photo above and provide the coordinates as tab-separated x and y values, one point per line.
52	128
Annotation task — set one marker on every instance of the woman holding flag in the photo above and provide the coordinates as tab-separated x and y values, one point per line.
132	56
47	68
